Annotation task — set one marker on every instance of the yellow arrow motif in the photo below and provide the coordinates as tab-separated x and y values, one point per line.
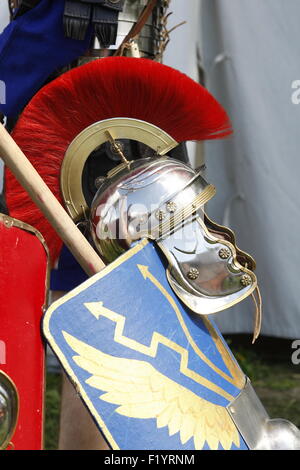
238	378
97	310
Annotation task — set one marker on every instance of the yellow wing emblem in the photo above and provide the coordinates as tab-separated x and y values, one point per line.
143	392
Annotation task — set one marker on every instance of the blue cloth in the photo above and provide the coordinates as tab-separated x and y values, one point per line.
68	274
32	47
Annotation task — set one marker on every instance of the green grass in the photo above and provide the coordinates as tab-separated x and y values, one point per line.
275	379
268	365
52	411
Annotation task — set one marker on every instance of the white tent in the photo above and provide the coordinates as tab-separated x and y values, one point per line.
4	15
251	54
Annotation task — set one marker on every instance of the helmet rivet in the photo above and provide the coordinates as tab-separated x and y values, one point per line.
160	215
193	274
246	280
224	253
171	207
143	219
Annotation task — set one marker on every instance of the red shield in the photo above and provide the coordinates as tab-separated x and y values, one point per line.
23	288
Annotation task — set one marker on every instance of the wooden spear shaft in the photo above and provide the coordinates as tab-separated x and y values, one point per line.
39	192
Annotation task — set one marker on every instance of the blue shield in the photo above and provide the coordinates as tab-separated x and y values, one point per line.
153	374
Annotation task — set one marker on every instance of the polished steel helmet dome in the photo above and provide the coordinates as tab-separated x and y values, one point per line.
142	200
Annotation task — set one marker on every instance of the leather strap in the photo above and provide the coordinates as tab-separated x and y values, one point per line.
102	13
105	21
77	17
111	4
137	28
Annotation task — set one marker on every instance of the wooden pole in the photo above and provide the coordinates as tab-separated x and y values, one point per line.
39	192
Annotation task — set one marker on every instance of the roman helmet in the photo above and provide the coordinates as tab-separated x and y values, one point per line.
115	125
163	199
106	138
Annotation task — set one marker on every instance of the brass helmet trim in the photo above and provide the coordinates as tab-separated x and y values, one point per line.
91	138
9	409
